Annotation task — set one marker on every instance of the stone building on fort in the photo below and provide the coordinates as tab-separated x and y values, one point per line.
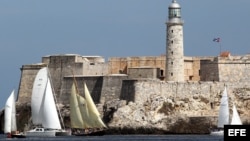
196	69
151	89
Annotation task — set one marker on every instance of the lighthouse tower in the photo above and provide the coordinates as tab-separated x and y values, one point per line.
174	49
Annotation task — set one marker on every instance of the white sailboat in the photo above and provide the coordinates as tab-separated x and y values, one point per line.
235	117
224	115
44	112
85	118
10	127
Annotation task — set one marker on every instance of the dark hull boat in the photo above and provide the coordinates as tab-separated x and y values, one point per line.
16	135
78	132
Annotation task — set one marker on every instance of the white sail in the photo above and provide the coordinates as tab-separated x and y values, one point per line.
43	105
10	114
38	91
48	111
223	118
235	117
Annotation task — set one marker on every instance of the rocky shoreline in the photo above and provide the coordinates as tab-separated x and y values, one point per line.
151	114
118	123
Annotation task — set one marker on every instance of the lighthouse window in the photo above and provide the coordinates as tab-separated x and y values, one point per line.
172	63
171	74
172	31
172	42
175	13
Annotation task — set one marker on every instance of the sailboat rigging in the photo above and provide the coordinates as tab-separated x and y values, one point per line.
44	112
224	115
84	116
60	115
10	127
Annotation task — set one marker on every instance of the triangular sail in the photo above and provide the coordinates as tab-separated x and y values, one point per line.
235	117
224	110
48	111
83	107
38	91
83	112
13	113
43	105
75	114
10	114
94	115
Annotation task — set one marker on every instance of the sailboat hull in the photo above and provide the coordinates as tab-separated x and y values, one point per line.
80	132
16	134
41	132
43	106
217	132
63	133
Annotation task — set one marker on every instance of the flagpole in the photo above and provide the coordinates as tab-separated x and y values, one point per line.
220	48
218	41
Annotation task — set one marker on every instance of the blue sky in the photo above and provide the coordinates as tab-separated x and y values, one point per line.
30	29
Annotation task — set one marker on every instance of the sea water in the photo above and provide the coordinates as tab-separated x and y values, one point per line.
123	138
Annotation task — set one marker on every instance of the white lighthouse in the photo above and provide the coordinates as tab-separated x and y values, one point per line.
174	48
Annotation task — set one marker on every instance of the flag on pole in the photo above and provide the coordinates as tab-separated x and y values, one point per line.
216	39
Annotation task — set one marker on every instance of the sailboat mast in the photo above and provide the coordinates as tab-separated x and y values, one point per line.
77	91
55	99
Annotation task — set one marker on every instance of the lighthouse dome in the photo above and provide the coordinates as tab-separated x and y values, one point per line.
174	4
174	12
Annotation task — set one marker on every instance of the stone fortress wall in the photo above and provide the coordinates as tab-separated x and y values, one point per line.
137	87
144	77
229	69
